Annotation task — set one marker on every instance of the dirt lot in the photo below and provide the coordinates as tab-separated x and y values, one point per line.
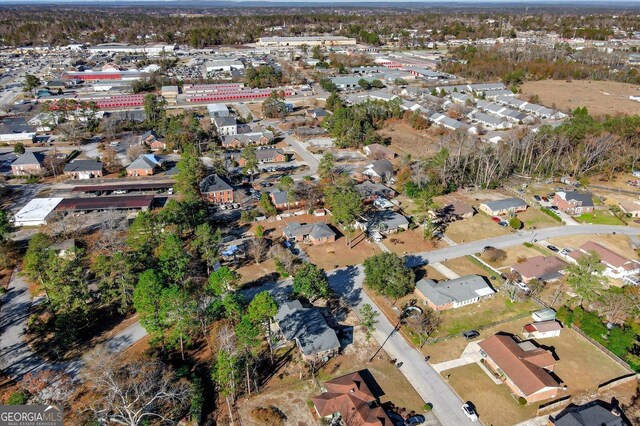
338	254
290	394
464	266
600	97
513	255
576	357
411	241
478	227
407	140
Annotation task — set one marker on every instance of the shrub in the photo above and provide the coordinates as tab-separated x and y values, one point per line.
528	244
17	398
551	213
248	216
427	407
522	401
515	223
565	315
494	254
268	416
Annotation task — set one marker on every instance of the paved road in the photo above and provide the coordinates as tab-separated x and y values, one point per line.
16	356
311	160
513	239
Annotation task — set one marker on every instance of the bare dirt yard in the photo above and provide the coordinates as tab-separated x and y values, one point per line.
410	241
600	97
407	140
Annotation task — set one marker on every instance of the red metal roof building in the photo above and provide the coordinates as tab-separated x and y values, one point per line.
130	202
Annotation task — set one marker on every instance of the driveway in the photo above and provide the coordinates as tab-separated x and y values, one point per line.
470	355
300	148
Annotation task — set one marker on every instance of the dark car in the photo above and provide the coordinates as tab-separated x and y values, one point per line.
553	248
554	208
537	197
471	334
488	248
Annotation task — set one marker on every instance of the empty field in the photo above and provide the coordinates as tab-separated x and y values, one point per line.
407	140
600	97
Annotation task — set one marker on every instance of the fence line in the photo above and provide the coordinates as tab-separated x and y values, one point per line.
607	352
553	405
617	382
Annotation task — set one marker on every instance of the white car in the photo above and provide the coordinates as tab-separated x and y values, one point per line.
470	412
522	286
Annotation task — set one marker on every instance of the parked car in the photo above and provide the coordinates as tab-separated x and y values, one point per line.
537	197
503	223
554	208
470	412
120	191
488	248
418	419
545	199
553	248
496	219
522	286
565	251
471	334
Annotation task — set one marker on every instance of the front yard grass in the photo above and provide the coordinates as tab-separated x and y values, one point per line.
599	218
494	403
535	218
478	227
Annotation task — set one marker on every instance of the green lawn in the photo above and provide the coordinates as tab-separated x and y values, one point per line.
480	314
599	218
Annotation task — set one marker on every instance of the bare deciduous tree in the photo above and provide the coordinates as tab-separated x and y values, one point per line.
257	249
134	392
135	151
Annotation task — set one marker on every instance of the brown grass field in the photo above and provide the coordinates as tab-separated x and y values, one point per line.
600	97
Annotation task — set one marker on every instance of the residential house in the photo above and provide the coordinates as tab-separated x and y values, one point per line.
216	190
318	113
617	266
247	139
350	398
308	328
144	165
29	163
267	155
453	209
379	171
568	180
225	125
573	202
370	191
490	121
384	222
503	207
454	293
152	140
314	233
524	367
282	201
541	268
594	413
16	129
83	169
542	329
630	208
378	151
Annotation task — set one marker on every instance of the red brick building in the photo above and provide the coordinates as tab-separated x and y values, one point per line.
216	190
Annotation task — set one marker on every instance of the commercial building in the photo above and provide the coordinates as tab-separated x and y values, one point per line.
247	139
124	202
16	129
222	65
287	42
225	125
37	212
218	110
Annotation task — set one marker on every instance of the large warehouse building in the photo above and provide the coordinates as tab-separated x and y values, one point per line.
285	42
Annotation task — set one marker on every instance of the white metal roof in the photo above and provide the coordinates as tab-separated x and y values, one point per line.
36	210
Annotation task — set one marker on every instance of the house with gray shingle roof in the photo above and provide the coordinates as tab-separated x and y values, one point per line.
29	163
504	206
144	165
83	169
308	328
315	233
454	293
